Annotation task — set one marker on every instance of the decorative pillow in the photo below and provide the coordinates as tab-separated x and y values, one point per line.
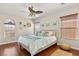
46	34
39	33
65	46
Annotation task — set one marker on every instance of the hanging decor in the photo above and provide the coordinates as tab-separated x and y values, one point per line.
28	24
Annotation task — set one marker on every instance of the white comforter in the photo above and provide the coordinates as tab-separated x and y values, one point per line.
34	43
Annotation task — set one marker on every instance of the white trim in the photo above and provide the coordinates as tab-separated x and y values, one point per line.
7	42
75	48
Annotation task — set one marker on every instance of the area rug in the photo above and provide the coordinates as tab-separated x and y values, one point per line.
60	52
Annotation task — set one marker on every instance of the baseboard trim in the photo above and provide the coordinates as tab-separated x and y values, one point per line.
75	48
7	42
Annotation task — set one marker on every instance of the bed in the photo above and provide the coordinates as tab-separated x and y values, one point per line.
35	44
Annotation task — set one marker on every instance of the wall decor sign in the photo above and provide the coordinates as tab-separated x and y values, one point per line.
47	24
54	23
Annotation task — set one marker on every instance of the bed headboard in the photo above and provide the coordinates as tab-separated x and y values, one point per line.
47	33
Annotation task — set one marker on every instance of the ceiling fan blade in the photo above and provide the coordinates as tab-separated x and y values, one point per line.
38	12
31	9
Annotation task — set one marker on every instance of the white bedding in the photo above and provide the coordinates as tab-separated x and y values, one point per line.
33	44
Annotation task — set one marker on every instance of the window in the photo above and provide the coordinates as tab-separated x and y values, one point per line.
9	24
69	26
9	29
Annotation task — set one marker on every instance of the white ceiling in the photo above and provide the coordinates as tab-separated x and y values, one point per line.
17	8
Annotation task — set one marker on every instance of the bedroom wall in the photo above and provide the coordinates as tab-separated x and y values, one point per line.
56	17
19	29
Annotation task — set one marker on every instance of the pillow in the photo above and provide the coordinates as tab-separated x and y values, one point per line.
51	33
65	46
46	34
39	33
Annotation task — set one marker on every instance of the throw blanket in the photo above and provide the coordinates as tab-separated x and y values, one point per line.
34	43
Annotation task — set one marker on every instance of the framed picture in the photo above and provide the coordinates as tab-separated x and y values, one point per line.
42	25
47	24
28	24
20	22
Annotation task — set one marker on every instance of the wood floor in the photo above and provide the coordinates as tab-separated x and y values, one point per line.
13	49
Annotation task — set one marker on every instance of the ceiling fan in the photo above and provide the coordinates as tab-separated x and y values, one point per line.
32	12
